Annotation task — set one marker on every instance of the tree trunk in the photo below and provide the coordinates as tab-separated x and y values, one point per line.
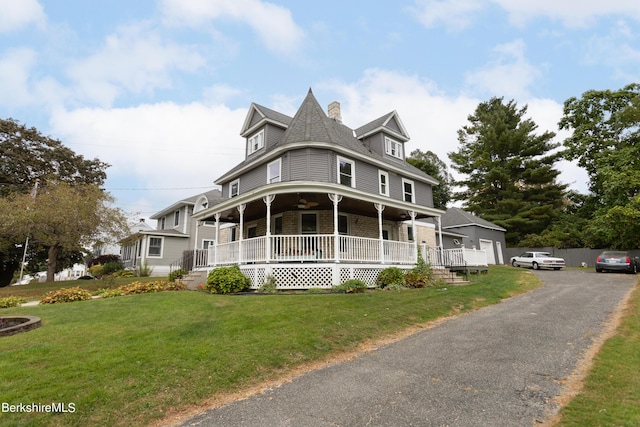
54	253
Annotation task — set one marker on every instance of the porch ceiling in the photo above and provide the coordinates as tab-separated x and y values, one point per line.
314	201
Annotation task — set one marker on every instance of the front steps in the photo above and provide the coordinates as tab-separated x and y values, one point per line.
194	278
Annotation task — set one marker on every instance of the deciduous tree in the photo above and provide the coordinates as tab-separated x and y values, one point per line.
429	163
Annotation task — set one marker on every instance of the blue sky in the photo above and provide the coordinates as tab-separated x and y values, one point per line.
159	89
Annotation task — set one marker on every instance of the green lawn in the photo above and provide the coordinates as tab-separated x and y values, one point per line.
611	394
137	359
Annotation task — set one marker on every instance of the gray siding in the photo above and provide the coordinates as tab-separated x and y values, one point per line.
272	135
310	164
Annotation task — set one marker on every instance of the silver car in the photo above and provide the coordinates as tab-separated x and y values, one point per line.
537	260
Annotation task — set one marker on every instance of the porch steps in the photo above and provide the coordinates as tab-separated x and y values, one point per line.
194	278
449	277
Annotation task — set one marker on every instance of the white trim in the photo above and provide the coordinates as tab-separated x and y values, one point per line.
149	247
391	146
251	142
382	173
279	175
340	159
413	190
176	218
231	184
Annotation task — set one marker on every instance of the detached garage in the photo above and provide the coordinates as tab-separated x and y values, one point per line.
460	227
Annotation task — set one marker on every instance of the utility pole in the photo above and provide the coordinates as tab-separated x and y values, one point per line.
34	193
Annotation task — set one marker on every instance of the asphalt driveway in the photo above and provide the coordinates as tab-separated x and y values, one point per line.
499	366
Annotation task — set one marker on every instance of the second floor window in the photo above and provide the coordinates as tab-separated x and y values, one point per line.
383	178
393	148
234	188
273	171
346	172
408	192
176	218
256	142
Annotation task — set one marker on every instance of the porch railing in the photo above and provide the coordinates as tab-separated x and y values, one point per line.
321	248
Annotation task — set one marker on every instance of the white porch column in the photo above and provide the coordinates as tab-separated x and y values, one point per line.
241	209
267	245
380	208
215	245
336	198
440	230
413	214
195	247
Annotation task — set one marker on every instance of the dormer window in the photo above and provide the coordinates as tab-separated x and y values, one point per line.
393	148
256	142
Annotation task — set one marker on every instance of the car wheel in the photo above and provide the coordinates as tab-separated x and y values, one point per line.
535	266
513	263
556	268
598	270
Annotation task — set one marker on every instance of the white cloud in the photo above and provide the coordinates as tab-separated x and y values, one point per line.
15	66
453	14
155	146
272	23
134	60
508	74
19	14
572	13
618	50
459	14
432	117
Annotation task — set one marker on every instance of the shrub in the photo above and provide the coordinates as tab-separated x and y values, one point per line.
144	270
95	270
421	275
66	295
227	280
390	276
351	287
104	259
177	274
269	286
110	293
11	302
112	267
124	273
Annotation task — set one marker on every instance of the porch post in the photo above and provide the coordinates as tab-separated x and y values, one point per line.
412	214
440	230
267	245
241	209
215	246
379	207
336	198
195	247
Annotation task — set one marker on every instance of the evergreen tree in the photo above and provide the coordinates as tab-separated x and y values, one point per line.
509	172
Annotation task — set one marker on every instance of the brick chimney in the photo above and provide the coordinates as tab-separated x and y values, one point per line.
334	111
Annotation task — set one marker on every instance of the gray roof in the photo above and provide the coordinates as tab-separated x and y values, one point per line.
310	123
456	217
213	196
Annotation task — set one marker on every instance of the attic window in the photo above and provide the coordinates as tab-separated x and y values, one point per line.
393	148
256	142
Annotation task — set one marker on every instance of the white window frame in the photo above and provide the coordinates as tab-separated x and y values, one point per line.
162	223
274	178
237	184
413	190
176	218
149	255
210	243
393	148
384	174
353	171
256	142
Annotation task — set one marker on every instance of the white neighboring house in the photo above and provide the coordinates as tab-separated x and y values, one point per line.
72	273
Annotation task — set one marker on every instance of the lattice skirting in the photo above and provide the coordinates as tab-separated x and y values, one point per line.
306	276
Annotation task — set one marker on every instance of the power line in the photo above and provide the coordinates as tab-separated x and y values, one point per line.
212	187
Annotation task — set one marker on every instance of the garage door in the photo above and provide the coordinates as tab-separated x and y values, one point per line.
487	245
